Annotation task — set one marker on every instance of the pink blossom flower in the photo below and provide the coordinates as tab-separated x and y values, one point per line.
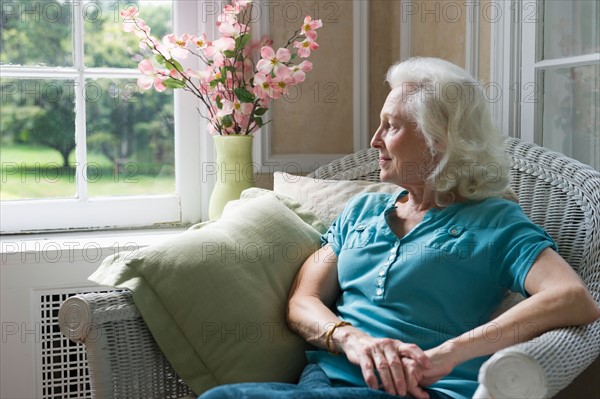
223	44
231	9
226	109
236	6
130	12
241	119
262	85
202	75
175	46
305	47
299	71
229	26
200	41
309	26
243	108
150	77
280	86
242	3
271	61
230	30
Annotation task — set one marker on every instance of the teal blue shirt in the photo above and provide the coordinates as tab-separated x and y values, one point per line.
445	277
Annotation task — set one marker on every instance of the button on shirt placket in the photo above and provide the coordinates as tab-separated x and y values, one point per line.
382	275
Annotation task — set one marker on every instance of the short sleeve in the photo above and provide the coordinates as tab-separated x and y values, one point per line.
336	234
517	244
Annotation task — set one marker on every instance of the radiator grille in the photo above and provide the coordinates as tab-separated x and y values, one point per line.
62	364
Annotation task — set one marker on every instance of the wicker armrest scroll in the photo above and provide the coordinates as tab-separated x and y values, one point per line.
124	360
542	367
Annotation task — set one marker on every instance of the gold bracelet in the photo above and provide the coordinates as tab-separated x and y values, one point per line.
329	335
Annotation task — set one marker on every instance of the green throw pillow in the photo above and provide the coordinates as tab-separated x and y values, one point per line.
214	297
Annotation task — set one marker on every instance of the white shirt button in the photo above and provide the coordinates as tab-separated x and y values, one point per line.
379	291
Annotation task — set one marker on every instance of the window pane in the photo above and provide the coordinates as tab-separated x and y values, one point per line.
37	125
106	45
130	138
570	28
571	112
36	33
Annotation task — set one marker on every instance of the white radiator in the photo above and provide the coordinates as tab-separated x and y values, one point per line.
61	364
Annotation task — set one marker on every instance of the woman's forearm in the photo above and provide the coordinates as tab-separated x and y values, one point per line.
311	319
540	313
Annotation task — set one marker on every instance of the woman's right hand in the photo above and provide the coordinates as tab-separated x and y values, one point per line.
383	355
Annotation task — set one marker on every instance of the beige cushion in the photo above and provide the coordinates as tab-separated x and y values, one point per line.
325	198
214	297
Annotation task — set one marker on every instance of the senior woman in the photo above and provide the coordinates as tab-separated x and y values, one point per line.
399	298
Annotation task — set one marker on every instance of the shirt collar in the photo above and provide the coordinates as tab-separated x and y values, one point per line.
391	204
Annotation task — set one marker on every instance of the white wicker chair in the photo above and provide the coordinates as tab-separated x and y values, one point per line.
556	192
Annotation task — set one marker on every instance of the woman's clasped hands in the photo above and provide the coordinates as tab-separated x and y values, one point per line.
403	369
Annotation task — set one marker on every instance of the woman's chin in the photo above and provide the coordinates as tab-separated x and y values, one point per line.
385	178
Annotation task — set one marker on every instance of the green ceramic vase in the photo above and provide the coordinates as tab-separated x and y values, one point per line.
234	171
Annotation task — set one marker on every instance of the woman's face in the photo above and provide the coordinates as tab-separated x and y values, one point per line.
403	153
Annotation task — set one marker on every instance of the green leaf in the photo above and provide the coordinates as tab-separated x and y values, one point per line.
219	103
160	59
241	41
214	83
227	122
174	83
174	64
243	95
260	111
258	121
229	53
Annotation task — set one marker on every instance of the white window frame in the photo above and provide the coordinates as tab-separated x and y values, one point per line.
515	50
532	72
184	206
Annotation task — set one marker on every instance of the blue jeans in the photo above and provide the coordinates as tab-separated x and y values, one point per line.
313	384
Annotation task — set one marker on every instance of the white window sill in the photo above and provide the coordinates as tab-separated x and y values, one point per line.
70	247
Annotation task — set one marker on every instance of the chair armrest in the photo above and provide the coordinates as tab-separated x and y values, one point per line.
540	368
124	360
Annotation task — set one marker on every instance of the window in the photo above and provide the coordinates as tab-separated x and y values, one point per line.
81	147
561	67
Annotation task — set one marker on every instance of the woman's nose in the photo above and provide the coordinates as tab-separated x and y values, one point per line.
376	140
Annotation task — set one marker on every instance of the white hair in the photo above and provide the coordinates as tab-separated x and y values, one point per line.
450	109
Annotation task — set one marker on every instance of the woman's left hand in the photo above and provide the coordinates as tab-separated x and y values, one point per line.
443	362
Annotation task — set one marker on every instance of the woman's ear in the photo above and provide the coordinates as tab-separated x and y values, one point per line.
438	149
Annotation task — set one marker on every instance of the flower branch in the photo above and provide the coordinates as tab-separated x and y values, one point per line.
236	91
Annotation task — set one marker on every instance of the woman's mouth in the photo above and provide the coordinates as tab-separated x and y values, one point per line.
383	160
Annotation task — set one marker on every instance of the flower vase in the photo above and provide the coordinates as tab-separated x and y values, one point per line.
234	171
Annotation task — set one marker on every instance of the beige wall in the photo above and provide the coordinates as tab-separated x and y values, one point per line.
438	30
316	117
384	48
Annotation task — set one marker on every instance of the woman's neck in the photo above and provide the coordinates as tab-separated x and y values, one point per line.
419	199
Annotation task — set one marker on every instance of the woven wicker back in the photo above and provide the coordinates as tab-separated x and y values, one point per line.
563	196
558	193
